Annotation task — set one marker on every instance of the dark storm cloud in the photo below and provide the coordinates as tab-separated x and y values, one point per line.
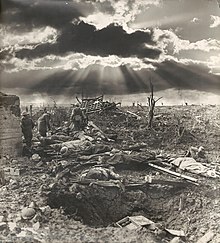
84	38
35	13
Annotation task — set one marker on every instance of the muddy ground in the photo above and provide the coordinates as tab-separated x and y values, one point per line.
69	212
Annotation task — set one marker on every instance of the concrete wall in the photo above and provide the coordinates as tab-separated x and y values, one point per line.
10	130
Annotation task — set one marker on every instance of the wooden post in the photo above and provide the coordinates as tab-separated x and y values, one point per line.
151	104
31	110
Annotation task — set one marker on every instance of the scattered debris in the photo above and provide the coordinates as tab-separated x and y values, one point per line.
36	157
3	225
175	240
2	177
28	213
134	222
92	105
179	233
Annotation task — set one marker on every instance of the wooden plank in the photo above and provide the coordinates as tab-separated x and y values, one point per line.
188	178
133	114
93	125
207	237
176	232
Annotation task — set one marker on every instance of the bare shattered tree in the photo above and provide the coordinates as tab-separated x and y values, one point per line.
151	104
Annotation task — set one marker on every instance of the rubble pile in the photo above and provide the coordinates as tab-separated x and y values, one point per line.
97	104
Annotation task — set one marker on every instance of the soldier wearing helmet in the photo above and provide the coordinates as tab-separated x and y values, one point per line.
27	125
44	123
77	118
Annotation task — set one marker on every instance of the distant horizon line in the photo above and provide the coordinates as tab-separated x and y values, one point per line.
125	105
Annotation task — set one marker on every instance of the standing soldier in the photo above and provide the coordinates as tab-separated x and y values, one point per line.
77	117
44	123
27	125
85	118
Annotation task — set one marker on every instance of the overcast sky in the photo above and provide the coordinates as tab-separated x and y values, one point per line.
58	48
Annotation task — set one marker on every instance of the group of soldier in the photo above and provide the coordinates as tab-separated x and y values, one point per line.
78	121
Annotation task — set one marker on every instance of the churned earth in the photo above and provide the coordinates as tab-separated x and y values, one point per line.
67	211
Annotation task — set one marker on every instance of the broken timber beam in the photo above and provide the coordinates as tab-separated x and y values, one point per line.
207	237
133	114
188	178
80	102
93	125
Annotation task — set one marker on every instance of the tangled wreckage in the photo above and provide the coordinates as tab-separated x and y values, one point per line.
117	180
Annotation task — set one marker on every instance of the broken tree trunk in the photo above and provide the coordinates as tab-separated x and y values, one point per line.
151	104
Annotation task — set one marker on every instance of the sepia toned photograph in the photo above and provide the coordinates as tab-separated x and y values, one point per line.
109	121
